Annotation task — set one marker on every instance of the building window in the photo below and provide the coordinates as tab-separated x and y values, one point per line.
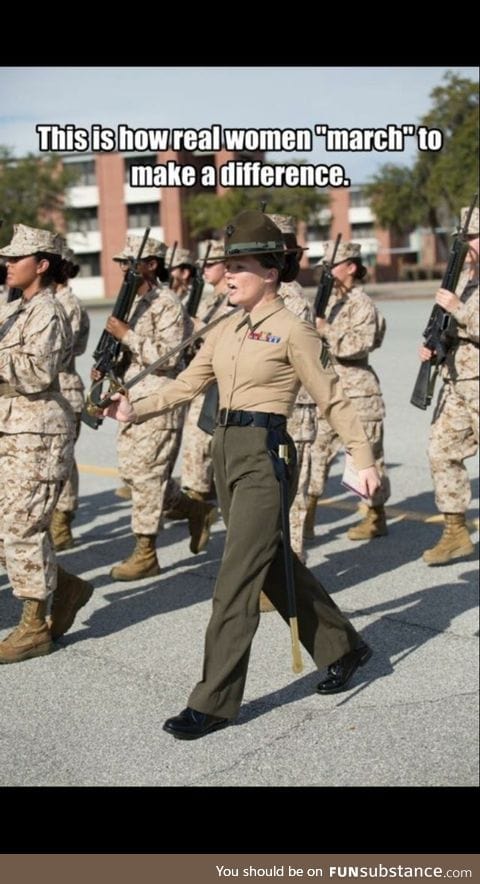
143	214
83	220
85	172
89	264
141	160
317	232
358	198
362	231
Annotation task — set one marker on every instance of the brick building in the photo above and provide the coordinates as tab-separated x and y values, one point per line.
105	207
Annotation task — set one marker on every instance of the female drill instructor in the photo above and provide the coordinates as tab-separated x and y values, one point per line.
259	358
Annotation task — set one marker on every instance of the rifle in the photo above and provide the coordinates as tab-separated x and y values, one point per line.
440	331
95	404
108	349
172	255
197	287
325	285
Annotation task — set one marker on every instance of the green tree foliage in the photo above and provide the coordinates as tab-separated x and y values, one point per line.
208	214
32	190
432	192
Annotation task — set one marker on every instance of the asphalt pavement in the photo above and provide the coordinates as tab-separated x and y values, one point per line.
91	713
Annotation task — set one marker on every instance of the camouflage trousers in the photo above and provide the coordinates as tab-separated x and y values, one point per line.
33	469
197	466
302	427
328	444
68	500
146	457
453	437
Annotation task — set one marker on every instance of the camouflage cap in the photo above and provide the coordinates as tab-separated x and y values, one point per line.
29	240
68	254
473	223
216	251
181	256
153	248
347	251
285	223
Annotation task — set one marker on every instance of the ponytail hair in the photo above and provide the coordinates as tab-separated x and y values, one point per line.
360	270
55	273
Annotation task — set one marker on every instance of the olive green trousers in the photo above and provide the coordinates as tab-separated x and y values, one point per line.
249	496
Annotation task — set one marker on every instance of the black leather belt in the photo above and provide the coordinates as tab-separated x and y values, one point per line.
264	419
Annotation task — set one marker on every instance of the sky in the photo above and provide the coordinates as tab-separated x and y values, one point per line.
235	97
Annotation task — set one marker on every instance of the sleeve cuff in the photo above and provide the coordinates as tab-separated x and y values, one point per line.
145	408
363	457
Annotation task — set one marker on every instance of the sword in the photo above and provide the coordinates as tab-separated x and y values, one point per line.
95	408
280	463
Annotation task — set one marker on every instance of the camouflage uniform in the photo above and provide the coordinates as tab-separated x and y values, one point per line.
355	329
197	467
147	453
37	432
181	288
302	426
72	387
454	430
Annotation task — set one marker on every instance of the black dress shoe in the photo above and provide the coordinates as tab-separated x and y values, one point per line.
341	671
190	724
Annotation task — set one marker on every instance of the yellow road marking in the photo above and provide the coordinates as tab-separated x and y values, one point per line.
97	471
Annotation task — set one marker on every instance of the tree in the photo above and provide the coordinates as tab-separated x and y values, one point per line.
208	214
432	192
32	190
393	199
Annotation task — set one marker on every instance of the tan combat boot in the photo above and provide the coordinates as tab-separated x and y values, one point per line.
125	492
60	530
454	543
374	524
71	594
200	514
179	512
265	604
141	563
309	524
31	638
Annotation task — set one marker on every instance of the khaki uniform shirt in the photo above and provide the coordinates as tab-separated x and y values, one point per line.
35	345
259	360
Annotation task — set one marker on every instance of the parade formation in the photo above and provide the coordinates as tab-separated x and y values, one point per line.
262	388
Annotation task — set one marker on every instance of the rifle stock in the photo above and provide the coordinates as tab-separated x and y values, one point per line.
439	334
